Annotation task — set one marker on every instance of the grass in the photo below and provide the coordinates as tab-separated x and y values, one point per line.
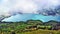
17	27
36	32
42	32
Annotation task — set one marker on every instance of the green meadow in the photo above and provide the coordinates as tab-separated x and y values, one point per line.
29	27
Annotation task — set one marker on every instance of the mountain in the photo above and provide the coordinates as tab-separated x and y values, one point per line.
19	17
28	16
46	18
3	17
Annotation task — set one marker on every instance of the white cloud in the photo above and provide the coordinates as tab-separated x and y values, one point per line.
26	6
11	5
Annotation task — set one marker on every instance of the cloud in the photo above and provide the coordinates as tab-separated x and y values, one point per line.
26	6
23	5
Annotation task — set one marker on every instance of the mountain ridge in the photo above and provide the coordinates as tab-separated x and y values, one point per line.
26	16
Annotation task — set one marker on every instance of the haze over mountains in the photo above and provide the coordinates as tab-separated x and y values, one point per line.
28	16
44	15
16	10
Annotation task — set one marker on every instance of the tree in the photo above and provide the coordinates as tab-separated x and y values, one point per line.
52	23
34	22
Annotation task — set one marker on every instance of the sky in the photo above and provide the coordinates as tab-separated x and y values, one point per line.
7	7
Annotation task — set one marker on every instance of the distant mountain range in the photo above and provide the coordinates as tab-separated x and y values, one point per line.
28	16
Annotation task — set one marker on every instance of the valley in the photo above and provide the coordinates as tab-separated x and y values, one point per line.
30	27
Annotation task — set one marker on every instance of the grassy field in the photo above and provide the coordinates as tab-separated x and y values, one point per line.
41	32
36	32
8	28
29	27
